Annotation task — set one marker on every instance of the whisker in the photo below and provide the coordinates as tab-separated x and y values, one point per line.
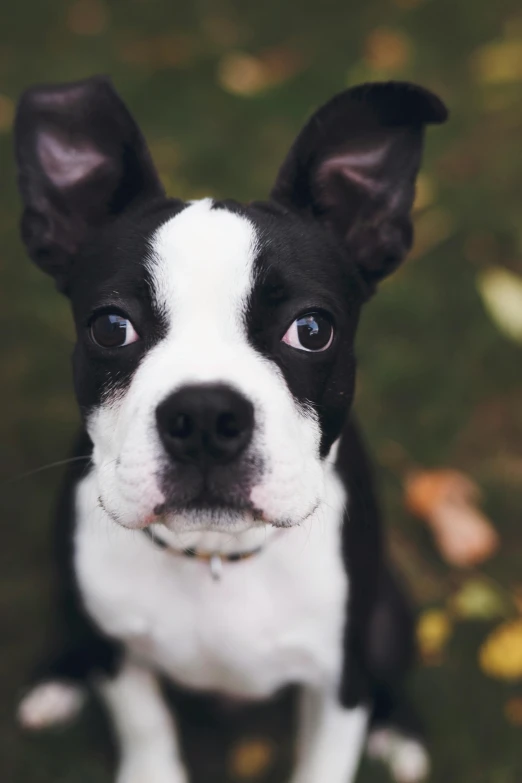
42	468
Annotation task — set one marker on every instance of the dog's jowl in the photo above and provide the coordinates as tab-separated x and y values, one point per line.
225	532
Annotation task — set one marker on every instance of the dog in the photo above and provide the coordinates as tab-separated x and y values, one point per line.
223	530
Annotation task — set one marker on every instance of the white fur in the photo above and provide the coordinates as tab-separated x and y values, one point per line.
331	739
405	757
202	262
273	619
145	728
49	704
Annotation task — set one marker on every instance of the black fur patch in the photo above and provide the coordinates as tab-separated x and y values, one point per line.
110	274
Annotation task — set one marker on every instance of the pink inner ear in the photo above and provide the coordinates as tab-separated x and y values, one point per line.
66	164
360	167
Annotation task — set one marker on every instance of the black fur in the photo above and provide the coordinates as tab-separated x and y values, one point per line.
82	159
77	649
337	222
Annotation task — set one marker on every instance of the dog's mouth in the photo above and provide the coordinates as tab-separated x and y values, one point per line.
214	514
216	498
190	501
208	513
207	501
210	507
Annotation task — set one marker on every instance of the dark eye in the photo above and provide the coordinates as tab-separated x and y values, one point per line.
113	331
310	332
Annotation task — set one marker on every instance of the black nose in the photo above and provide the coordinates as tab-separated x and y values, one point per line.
205	424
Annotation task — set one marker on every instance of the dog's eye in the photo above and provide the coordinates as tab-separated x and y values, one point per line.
113	331
310	332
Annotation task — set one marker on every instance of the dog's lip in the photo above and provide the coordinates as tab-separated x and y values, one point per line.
205	505
258	516
206	501
160	512
150	519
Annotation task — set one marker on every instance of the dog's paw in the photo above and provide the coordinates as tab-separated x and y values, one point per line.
49	704
150	768
406	758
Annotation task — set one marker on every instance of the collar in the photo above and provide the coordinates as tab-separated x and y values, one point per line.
215	560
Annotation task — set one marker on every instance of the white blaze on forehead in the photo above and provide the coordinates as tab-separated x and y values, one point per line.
202	269
201	264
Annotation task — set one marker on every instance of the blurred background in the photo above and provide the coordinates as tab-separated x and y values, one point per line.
220	88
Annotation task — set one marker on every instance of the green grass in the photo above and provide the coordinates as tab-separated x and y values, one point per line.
438	384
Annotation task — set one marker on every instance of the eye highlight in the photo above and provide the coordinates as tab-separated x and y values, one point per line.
311	332
111	330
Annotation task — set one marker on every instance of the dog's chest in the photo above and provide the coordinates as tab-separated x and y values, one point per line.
274	619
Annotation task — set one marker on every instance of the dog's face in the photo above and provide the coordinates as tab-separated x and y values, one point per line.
214	361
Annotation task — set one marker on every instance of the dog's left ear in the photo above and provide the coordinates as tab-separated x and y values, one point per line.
353	167
82	160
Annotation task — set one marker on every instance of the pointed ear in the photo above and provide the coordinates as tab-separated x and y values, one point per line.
81	160
353	167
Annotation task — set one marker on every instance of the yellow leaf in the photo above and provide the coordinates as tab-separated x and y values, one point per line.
499	62
478	600
242	74
251	758
501	292
246	74
424	193
433	631
501	654
387	50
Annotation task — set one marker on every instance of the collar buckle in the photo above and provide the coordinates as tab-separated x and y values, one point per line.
216	566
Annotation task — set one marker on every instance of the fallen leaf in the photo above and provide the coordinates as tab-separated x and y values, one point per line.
447	501
433	632
513	711
247	74
424	193
500	656
251	758
501	292
387	50
499	62
477	599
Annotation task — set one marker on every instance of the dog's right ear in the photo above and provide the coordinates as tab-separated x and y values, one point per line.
82	160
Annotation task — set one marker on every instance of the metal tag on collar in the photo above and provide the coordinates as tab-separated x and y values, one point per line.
216	567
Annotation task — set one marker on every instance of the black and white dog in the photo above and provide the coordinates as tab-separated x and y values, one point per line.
225	534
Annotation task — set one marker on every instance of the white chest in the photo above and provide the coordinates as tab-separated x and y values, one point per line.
274	619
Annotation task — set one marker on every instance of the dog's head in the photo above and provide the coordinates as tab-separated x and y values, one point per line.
214	362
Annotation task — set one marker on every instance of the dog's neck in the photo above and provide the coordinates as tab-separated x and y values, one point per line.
212	541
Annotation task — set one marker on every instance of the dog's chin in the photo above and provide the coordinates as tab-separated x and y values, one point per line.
215	520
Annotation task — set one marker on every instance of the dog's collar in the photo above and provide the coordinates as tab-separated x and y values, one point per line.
215	560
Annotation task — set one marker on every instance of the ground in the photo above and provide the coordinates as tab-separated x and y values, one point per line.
220	89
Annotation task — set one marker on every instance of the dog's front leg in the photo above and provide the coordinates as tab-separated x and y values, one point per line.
331	739
145	729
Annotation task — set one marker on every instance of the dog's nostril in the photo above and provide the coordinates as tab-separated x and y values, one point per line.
181	426
227	425
205	424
